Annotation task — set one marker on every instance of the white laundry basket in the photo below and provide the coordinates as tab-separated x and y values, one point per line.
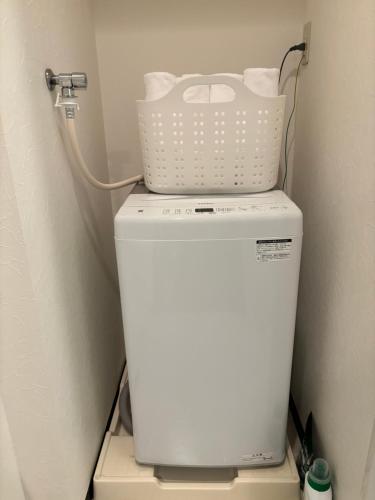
228	147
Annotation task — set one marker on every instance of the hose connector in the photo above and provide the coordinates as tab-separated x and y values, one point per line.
68	82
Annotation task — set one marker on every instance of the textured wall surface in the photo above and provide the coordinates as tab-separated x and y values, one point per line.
198	36
10	481
334	184
61	347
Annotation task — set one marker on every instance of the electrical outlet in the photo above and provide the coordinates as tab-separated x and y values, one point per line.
307	40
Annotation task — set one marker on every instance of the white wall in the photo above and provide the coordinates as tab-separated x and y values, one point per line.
10	481
198	36
61	345
334	184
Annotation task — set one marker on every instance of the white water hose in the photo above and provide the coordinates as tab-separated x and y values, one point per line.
72	134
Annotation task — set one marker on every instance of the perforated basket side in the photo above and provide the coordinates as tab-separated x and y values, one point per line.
212	147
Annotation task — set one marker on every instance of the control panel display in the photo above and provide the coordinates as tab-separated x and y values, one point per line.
208	210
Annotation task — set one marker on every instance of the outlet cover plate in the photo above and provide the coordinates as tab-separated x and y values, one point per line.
307	40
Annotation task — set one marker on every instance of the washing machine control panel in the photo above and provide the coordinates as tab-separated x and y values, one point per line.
175	206
218	210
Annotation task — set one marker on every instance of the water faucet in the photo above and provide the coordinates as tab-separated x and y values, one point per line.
68	83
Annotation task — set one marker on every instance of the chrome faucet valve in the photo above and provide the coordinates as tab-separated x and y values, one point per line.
68	83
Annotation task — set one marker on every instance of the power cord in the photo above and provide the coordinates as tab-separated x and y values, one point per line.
289	121
299	47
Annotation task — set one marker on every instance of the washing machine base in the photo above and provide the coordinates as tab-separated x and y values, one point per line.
119	477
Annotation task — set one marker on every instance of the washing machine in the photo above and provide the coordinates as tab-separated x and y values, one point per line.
209	292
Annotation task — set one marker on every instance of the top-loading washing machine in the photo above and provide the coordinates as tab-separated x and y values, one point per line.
209	291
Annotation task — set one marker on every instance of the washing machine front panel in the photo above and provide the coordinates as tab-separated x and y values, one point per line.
209	329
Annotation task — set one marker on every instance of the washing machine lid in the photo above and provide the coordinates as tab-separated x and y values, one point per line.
154	216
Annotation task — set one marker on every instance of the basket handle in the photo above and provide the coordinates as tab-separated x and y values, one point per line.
241	91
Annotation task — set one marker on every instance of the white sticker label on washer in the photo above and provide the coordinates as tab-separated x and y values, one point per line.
271	250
